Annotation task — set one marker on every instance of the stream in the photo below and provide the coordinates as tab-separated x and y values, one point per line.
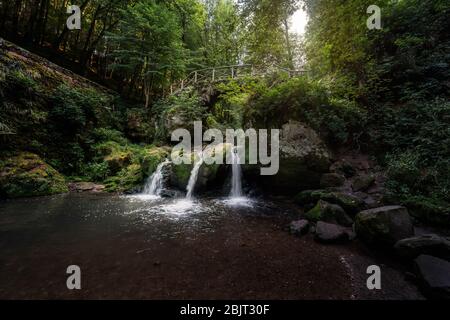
143	247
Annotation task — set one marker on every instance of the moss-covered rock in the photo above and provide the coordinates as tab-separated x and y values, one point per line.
26	174
348	202
209	174
363	182
118	160
151	158
324	211
384	226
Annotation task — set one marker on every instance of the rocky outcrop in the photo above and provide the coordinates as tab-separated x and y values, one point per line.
329	212
384	225
332	233
430	244
26	175
303	159
434	276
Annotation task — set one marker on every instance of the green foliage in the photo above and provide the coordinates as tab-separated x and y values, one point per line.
310	102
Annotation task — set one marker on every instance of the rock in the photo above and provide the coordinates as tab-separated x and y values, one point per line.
299	227
330	180
85	187
26	175
384	225
363	182
209	175
348	202
434	274
329	212
303	159
118	160
430	244
331	233
166	193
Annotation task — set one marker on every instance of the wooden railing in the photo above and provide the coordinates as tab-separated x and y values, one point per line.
226	73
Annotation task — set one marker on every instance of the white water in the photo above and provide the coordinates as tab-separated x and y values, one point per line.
236	179
154	184
193	178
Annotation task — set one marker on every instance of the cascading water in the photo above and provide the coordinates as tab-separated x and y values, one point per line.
154	184
193	178
236	179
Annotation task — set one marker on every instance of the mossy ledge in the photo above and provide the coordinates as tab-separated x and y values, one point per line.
25	174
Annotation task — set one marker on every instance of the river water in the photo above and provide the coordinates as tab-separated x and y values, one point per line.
145	248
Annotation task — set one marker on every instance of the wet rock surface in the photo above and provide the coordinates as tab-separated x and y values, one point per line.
430	244
434	274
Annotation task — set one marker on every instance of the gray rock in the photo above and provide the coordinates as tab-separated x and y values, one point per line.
299	227
332	233
304	157
363	182
384	226
434	274
330	180
430	244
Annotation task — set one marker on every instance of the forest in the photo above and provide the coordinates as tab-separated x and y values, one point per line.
364	112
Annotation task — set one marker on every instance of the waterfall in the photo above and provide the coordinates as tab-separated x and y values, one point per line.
236	179
154	184
193	178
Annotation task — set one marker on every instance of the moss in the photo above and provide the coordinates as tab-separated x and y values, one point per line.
317	213
151	158
26	174
350	203
126	180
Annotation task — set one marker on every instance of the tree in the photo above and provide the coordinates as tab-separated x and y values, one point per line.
148	47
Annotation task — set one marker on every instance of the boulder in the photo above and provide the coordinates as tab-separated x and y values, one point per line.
303	159
363	182
332	233
434	274
430	244
329	212
299	227
26	174
331	180
86	187
384	225
348	202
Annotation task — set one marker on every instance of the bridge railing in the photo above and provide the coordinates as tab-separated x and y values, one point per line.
225	73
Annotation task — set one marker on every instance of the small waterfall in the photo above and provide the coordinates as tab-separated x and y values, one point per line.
154	184
193	178
236	179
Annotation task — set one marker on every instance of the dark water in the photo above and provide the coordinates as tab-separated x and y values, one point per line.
134	247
